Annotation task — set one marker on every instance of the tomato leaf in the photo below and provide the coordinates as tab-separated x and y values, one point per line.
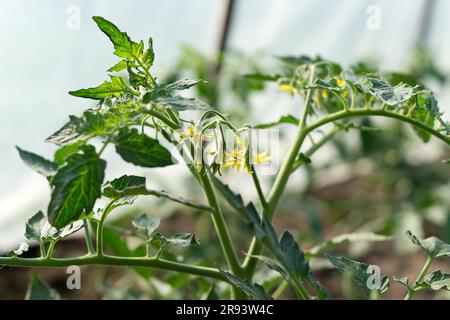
23	247
146	224
287	119
39	164
39	290
114	88
38	228
432	246
141	150
358	271
436	280
252	290
76	187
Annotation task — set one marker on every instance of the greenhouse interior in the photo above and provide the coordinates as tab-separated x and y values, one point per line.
225	150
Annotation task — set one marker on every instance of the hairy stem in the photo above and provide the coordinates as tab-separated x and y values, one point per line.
257	184
87	237
281	180
100	224
222	233
420	277
113	261
375	112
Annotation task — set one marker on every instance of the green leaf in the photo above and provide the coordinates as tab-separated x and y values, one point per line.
343	238
38	163
39	290
183	240
426	111
358	271
79	129
125	186
146	224
289	119
181	104
64	152
436	281
298	60
286	250
130	186
290	260
23	247
402	280
432	246
262	77
114	88
211	294
380	88
76	187
67	135
38	228
253	291
141	150
233	199
123	46
183	84
323	84
119	66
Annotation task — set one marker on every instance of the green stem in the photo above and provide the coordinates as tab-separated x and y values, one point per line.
220	226
327	137
375	112
172	125
280	181
113	261
419	279
223	234
87	237
279	291
100	224
42	248
257	184
51	247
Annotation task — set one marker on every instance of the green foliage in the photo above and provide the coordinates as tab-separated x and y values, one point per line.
140	116
38	228
75	187
23	247
141	150
39	290
146	224
436	280
253	291
114	88
359	273
38	163
432	246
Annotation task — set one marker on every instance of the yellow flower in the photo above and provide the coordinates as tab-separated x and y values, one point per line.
324	94
288	88
341	82
262	157
192	133
199	166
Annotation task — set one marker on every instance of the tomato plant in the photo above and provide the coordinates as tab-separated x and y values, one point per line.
144	119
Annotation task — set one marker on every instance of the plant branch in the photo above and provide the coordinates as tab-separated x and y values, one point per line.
375	112
87	237
281	180
113	261
419	279
220	226
100	224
